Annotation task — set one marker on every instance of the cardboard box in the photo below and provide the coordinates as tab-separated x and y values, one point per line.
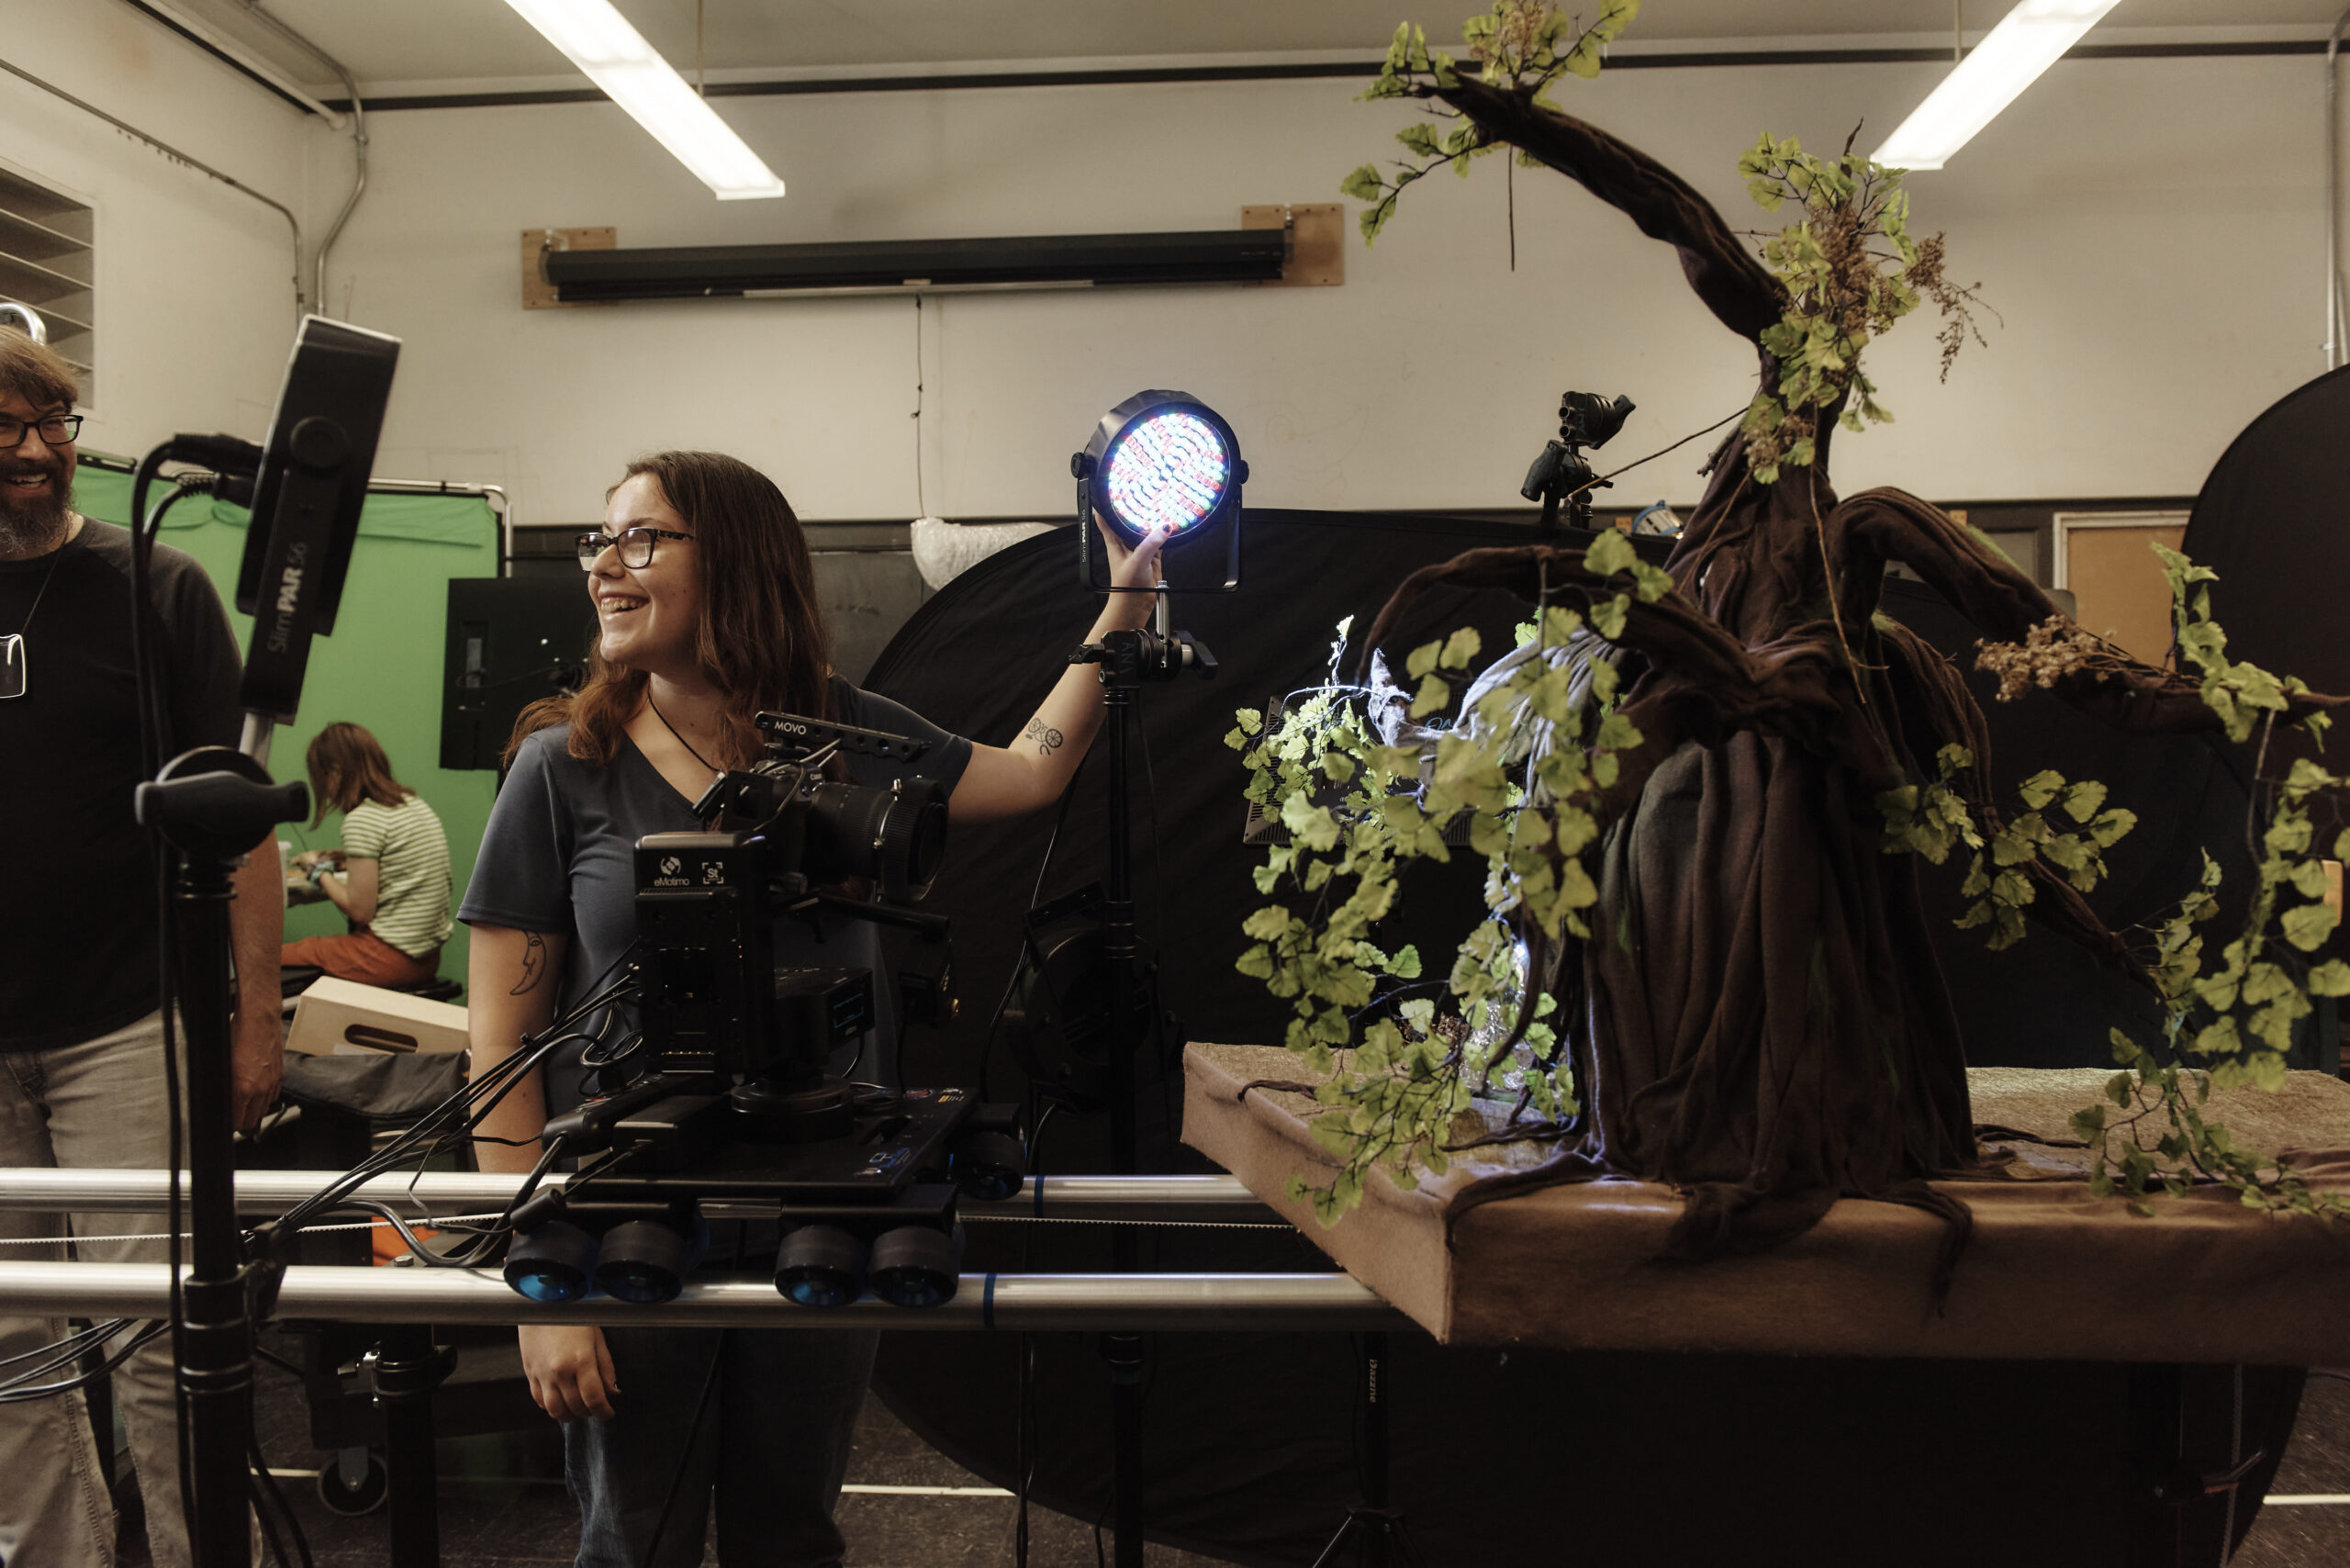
339	1017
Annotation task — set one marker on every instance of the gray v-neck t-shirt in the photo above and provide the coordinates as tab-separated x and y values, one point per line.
559	857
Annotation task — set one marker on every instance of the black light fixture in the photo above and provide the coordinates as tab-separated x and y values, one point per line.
1160	459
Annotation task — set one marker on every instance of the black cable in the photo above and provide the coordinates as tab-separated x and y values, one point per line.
81	1339
64	1354
1029	1450
1020	964
277	1497
277	1548
686	1449
12	1395
151	743
497	1082
1025	1450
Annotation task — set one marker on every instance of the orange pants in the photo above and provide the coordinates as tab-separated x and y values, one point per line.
363	957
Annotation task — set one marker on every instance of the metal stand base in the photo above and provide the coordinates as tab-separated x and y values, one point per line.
1376	1529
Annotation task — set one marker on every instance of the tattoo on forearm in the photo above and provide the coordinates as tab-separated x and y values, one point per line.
1048	739
534	964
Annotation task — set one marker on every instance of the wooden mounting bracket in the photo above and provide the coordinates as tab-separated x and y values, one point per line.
1318	241
538	294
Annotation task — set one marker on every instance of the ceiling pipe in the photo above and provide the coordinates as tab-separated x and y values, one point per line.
358	141
236	55
26	317
168	151
2335	312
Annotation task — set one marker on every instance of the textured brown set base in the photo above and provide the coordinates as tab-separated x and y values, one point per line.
2052	1272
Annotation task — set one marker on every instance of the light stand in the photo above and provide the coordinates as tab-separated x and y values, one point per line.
212	805
1376	1528
1125	661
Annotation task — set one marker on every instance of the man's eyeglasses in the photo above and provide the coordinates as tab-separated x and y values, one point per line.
56	429
634	544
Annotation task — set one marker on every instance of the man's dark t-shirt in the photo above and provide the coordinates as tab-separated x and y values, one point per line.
559	857
78	941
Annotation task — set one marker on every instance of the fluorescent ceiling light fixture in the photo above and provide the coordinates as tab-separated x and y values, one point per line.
599	41
2027	41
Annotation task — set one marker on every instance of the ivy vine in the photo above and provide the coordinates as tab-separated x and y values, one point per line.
2231	1023
1400	1054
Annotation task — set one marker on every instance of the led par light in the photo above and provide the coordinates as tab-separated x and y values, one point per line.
1160	459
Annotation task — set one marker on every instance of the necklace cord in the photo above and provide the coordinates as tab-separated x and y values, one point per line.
666	725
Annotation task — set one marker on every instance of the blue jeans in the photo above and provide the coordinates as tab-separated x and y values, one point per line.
774	1443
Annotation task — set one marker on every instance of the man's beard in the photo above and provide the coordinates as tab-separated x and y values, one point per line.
35	524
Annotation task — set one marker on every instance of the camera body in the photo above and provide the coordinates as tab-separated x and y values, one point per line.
710	998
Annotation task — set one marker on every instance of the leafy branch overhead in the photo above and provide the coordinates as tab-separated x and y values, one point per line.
1522	45
1847	269
1850	269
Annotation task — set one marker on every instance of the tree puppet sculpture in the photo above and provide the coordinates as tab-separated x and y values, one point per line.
1698	790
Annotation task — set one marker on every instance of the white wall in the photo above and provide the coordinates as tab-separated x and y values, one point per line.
2150	230
195	280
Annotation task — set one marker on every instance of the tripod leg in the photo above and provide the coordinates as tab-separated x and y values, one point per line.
1329	1558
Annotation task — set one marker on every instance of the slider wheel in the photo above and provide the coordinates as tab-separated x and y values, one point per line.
353	1501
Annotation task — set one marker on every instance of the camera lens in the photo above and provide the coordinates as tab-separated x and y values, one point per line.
552	1263
820	1265
895	836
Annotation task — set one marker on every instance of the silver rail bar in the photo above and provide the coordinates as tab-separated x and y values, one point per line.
1137	1198
1151	1303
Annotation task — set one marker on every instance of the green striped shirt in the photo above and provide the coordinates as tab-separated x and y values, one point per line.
411	855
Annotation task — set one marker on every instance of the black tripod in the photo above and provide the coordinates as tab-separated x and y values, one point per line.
1377	1529
1125	661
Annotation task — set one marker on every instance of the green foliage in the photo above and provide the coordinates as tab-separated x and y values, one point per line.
2237	1017
1931	820
1851	269
1520	769
1524	45
2240	694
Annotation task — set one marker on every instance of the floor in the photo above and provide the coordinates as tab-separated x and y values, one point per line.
503	1505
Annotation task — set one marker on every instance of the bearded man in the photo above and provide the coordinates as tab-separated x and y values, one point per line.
81	1029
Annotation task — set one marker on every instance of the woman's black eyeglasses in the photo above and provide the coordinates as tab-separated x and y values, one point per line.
635	544
56	429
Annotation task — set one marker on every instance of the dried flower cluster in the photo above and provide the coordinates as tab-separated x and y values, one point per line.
2053	650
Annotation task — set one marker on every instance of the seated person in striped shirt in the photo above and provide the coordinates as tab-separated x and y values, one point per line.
395	880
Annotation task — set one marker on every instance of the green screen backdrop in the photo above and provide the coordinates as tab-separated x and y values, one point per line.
382	668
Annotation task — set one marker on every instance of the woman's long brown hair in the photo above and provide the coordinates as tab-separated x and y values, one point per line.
761	640
347	765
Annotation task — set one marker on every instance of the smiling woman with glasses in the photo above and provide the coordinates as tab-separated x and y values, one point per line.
706	614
